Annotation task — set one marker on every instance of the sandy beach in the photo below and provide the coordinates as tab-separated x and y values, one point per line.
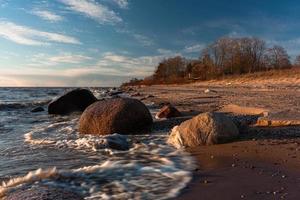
264	162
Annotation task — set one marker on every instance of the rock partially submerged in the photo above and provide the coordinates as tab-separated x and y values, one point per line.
116	141
74	101
43	193
120	115
38	109
204	129
168	111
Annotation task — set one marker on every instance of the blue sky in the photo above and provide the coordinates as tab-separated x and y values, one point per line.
106	42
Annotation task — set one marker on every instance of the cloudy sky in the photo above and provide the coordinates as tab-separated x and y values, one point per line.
105	42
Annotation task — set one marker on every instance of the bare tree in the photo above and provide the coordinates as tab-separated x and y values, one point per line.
170	67
277	58
297	61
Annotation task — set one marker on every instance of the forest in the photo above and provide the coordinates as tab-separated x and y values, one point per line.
226	56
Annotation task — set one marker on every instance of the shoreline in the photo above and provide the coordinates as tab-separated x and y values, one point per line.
263	164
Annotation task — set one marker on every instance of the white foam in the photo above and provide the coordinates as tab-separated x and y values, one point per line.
149	170
29	139
123	178
31	177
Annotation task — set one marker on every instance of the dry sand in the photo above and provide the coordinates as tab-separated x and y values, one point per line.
265	162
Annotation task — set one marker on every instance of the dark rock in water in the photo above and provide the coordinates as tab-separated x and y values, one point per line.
113	93
120	115
168	111
117	141
38	109
75	100
43	193
52	93
204	129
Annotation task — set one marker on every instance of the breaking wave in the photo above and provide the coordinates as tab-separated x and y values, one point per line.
14	106
54	154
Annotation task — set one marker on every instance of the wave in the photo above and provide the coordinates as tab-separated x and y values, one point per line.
14	106
161	178
31	177
149	169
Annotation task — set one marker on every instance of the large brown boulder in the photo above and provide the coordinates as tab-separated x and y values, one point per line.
168	111
43	193
204	129
73	101
121	115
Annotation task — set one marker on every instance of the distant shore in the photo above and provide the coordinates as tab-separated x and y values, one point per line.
264	163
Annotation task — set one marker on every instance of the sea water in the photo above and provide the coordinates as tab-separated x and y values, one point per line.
42	149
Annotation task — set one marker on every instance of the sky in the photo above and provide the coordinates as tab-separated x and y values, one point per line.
106	42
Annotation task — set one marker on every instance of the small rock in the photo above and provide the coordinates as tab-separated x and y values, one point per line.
208	91
136	94
38	109
117	141
114	93
149	96
168	111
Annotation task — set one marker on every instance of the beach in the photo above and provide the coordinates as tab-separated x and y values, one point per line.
264	162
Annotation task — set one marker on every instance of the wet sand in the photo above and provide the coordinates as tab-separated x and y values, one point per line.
264	163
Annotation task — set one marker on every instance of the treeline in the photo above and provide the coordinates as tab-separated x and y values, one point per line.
226	56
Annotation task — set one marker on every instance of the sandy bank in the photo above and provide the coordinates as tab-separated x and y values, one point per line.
265	162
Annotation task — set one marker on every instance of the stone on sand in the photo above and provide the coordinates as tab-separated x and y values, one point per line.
277	122
203	129
244	110
209	91
168	111
74	101
120	115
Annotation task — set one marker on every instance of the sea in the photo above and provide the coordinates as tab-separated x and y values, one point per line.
38	149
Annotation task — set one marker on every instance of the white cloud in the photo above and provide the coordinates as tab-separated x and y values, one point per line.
111	69
69	58
47	15
144	40
93	10
164	51
194	48
132	63
42	60
121	3
3	3
28	36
